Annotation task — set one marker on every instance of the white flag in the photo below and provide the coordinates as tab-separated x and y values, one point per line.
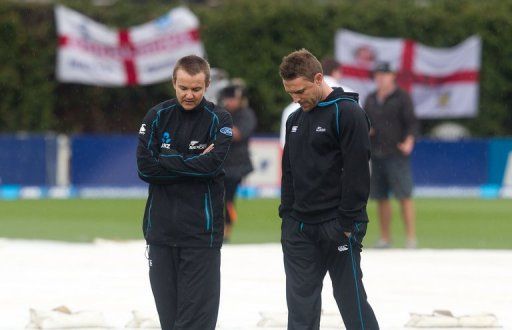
443	82
92	53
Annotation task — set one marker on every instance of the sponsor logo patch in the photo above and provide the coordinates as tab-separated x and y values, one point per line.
294	129
342	248
166	138
166	141
195	145
142	129
226	131
320	129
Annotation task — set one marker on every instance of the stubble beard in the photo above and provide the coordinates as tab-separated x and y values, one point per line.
317	100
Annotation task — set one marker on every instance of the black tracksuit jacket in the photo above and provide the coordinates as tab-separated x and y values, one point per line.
325	169
392	120
185	206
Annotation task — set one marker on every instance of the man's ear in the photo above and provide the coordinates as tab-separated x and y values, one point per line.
319	77
206	84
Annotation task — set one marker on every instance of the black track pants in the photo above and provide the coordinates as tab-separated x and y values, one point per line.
186	286
309	252
231	185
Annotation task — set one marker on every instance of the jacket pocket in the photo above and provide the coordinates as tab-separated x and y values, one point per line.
146	224
208	217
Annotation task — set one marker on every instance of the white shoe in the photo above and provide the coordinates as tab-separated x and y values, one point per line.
411	243
382	244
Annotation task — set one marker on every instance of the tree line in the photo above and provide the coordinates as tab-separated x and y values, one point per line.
247	38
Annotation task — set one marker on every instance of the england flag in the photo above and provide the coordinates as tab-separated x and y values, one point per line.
94	54
443	82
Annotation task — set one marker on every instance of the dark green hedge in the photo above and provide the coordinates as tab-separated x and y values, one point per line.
247	38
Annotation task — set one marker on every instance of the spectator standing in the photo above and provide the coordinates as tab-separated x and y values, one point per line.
394	127
238	163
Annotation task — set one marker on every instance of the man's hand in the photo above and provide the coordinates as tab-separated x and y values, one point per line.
406	146
237	136
207	150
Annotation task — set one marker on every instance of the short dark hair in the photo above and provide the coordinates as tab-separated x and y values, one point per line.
232	91
300	63
383	67
192	64
329	65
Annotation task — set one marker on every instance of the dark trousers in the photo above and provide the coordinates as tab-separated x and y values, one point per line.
231	185
186	286
309	252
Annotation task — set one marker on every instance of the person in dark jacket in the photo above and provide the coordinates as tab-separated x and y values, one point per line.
238	163
324	191
391	112
183	143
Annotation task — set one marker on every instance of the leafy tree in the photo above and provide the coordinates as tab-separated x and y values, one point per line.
248	39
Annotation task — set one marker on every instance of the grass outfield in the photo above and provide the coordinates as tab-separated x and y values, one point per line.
448	223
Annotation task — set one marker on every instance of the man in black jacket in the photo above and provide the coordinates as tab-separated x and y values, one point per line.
325	187
238	164
392	136
183	143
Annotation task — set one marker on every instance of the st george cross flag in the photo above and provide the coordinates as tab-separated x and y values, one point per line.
443	82
94	54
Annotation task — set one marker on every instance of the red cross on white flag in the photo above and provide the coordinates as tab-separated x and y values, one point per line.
92	53
443	82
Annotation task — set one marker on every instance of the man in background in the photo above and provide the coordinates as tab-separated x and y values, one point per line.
394	127
238	163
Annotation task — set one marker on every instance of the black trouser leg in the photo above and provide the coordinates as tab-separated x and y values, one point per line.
230	185
186	286
347	282
305	270
198	289
163	275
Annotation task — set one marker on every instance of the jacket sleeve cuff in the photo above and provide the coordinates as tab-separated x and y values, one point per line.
347	219
347	224
284	211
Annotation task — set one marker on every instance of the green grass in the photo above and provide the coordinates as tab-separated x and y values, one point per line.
448	223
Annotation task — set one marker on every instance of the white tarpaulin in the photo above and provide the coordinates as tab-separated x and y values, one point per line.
443	82
94	54
111	278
